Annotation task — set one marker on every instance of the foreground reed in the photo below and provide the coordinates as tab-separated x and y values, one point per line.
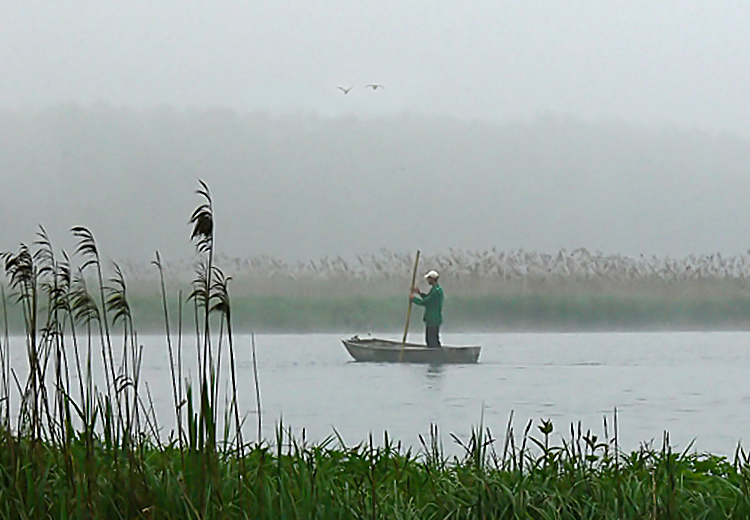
77	410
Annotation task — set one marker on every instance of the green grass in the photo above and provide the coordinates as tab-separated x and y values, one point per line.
580	477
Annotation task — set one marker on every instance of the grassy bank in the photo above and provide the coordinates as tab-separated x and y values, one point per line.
581	477
579	311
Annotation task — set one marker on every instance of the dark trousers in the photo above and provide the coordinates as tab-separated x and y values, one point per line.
432	336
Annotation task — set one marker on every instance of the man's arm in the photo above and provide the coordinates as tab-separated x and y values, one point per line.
424	299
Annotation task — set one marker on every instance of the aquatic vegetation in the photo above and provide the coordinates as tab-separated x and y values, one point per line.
489	290
456	264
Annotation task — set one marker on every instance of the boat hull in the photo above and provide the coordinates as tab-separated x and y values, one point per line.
387	351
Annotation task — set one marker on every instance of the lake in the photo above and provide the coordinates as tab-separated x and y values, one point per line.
693	385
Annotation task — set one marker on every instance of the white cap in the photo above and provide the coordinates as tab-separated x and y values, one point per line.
432	274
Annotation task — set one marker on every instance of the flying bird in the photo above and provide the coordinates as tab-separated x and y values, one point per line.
375	86
345	90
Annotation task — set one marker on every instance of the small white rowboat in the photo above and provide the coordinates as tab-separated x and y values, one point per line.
388	351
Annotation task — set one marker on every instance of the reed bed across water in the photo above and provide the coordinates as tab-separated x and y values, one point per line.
486	290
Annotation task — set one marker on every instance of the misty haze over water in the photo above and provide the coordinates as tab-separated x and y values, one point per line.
302	186
619	126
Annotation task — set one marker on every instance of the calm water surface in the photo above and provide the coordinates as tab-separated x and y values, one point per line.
692	384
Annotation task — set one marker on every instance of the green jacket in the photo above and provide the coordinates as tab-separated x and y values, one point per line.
433	305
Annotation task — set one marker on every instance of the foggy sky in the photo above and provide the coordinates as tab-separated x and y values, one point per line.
619	126
681	62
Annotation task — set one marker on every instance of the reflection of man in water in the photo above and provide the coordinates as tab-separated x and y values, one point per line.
433	308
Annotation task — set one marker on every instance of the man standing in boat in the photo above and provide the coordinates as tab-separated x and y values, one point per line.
433	308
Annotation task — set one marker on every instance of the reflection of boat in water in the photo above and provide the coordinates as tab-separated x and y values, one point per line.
388	351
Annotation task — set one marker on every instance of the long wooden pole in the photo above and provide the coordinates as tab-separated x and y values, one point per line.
411	290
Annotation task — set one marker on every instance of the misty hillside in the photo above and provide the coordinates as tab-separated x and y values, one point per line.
302	186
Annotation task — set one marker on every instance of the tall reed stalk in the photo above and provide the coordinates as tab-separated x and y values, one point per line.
174	372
